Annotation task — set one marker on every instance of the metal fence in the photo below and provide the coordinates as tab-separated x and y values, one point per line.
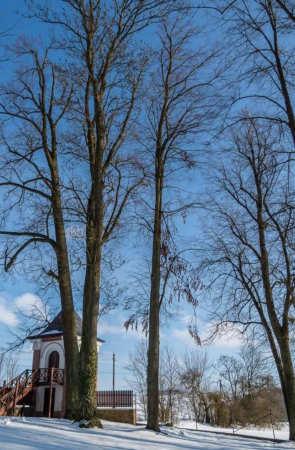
115	399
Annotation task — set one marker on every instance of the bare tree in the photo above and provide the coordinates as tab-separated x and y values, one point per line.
137	367
254	246
261	41
230	372
194	380
179	106
248	389
8	366
11	367
31	322
288	8
169	381
100	38
2	360
255	369
34	106
169	386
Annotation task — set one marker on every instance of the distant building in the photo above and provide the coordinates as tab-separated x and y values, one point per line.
41	391
48	353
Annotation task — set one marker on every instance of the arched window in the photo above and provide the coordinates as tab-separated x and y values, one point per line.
53	361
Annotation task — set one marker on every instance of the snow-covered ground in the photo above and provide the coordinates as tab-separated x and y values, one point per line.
54	434
281	432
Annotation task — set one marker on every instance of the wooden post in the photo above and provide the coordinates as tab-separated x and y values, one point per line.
272	425
134	404
50	392
170	406
15	397
114	369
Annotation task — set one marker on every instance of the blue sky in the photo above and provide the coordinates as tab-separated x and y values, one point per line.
17	292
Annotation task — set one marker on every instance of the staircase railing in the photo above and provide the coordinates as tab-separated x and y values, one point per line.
18	387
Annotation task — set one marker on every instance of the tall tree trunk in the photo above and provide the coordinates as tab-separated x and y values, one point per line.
88	359
283	360
67	304
88	353
288	385
154	311
285	368
96	143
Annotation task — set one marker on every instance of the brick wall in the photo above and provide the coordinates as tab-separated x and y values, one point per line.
123	415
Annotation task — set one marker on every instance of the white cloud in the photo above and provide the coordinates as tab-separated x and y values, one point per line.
183	336
184	317
11	308
106	328
229	340
230	337
28	302
7	316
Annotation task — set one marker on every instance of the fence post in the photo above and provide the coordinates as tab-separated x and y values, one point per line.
272	424
15	397
114	375
50	392
134	407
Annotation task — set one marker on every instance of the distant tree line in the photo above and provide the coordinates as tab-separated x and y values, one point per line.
239	391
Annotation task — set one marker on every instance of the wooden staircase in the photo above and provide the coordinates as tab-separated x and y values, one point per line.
17	389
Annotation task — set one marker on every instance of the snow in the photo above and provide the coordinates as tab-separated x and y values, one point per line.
50	332
281	432
54	434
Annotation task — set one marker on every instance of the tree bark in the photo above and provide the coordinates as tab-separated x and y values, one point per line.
288	384
154	312
67	304
91	295
284	363
88	356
